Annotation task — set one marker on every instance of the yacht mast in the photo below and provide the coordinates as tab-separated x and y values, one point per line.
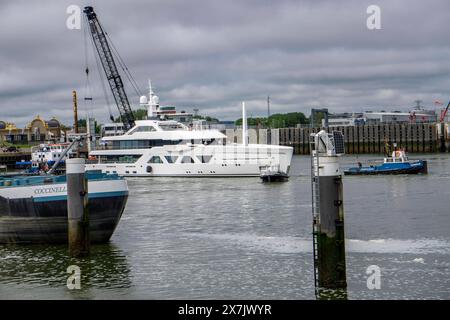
152	103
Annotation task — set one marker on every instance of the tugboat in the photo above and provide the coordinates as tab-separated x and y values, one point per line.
44	156
398	163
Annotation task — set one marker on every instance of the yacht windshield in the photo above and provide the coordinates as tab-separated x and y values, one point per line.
143	129
171	126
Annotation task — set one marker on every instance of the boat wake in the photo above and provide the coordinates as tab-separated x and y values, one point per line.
291	244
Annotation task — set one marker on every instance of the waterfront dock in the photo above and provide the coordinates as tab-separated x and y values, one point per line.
9	159
414	138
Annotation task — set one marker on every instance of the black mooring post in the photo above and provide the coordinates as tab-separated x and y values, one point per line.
77	208
328	215
331	236
442	146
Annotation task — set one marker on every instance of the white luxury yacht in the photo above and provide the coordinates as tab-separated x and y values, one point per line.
170	148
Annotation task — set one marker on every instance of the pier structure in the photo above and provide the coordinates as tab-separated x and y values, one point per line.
359	139
413	137
10	158
369	138
77	208
328	215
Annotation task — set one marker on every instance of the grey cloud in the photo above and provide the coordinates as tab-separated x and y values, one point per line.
214	54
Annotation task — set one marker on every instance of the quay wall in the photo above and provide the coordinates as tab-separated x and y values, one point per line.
414	138
10	158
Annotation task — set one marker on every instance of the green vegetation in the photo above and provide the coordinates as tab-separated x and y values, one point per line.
318	119
5	144
139	114
82	124
278	120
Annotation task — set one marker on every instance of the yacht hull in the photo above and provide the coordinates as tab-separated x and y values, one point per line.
230	161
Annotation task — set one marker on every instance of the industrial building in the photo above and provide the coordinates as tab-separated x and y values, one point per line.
380	117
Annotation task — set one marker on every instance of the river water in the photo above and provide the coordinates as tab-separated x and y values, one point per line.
237	238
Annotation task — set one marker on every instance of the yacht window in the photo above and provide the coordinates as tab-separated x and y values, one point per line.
132	158
209	141
171	159
187	159
143	129
206	159
142	144
155	159
171	126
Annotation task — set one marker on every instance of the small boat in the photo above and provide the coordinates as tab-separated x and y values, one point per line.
44	156
33	209
397	164
273	174
49	152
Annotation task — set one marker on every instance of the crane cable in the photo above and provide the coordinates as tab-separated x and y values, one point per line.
87	87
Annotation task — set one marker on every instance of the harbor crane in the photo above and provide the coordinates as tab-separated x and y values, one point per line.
110	68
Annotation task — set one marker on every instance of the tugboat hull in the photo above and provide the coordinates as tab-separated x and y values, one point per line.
393	168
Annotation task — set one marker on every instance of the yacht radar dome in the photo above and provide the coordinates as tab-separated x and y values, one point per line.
143	100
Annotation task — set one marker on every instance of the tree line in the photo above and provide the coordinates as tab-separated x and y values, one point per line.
277	120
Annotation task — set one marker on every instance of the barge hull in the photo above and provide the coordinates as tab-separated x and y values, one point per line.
26	221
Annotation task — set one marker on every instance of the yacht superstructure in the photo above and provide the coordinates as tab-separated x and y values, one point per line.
169	148
157	147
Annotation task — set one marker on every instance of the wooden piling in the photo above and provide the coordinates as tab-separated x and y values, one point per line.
77	208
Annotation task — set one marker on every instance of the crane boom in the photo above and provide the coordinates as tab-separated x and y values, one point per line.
110	68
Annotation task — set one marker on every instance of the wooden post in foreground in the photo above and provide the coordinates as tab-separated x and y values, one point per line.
77	207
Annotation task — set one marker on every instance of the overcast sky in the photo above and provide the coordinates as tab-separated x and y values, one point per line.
211	55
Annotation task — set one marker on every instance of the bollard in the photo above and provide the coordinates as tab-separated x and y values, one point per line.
328	215
77	208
